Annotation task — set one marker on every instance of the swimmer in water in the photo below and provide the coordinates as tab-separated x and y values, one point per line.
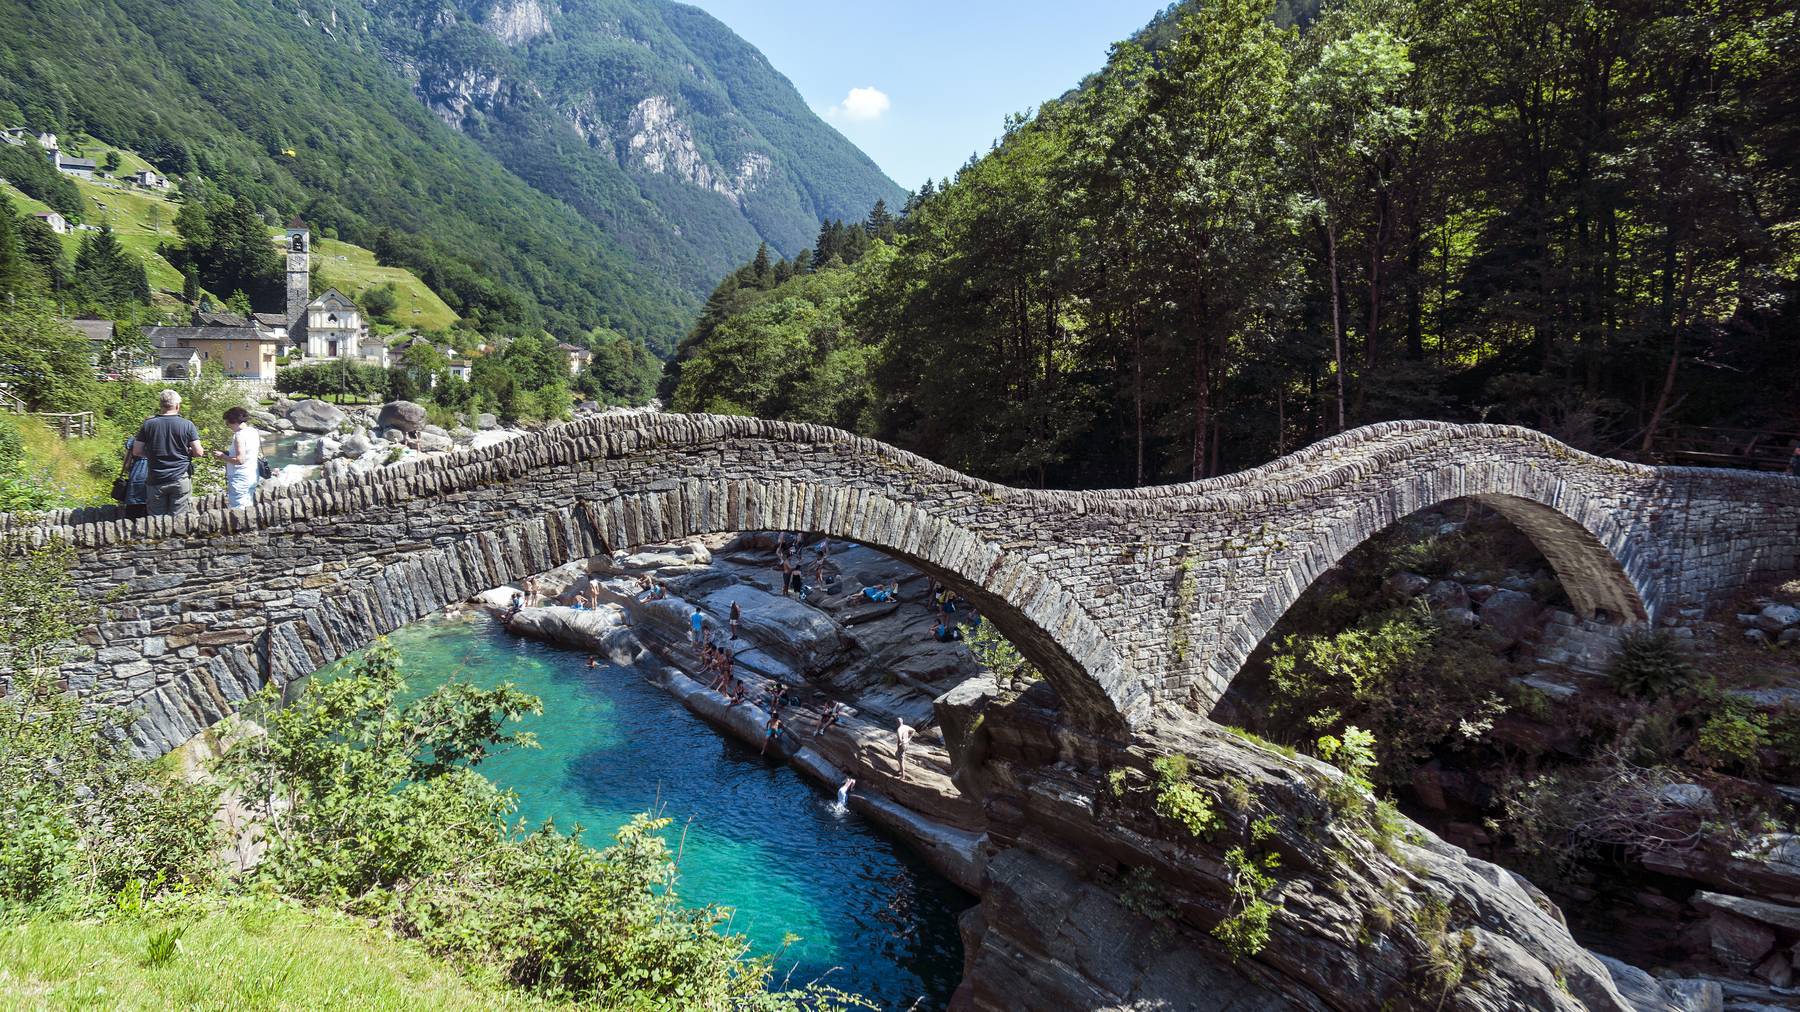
844	790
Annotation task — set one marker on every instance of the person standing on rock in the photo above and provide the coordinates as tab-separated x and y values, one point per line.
774	731
903	736
170	443
240	459
699	623
737	614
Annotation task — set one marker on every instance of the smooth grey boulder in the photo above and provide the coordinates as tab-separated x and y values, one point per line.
1445	595
486	421
1777	617
316	416
435	442
1510	614
403	415
355	445
1406	584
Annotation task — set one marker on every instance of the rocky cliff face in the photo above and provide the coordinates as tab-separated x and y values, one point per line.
1097	898
517	21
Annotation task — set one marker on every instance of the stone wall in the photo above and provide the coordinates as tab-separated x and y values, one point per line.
1130	600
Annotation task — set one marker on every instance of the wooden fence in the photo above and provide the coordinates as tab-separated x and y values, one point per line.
67	424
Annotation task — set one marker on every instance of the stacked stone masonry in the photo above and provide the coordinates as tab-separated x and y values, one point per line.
1131	600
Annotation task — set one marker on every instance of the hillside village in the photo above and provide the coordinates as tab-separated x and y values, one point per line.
319	323
162	279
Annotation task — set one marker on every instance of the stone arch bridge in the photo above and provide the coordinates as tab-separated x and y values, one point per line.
1131	601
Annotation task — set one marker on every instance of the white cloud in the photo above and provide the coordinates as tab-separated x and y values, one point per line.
862	105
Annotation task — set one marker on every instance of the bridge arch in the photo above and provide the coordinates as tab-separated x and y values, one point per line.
1590	551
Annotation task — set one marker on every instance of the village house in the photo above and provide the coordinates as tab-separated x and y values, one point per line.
243	348
16	136
149	180
99	334
578	357
47	141
57	222
81	168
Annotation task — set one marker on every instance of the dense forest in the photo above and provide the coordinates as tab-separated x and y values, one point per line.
1239	237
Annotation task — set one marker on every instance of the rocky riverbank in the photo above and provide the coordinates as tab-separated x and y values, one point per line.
880	662
321	439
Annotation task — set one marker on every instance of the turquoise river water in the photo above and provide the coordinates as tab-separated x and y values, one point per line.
752	834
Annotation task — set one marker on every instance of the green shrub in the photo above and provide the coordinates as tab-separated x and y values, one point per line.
1180	801
1412	682
1731	739
1650	665
390	818
1354	753
1246	931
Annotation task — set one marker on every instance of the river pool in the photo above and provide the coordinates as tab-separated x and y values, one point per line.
753	835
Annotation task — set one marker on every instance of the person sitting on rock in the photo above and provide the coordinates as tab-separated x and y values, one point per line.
737	695
947	633
828	716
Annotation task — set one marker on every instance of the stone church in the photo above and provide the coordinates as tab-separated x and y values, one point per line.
330	326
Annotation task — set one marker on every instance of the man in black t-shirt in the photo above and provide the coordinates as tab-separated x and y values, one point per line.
170	443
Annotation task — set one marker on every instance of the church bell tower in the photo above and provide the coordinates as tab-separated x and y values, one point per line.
299	280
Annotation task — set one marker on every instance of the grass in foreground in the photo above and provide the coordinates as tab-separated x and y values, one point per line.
242	954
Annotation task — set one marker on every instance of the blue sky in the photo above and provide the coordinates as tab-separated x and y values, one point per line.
921	84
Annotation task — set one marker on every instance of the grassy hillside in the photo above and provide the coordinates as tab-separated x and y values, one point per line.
353	270
144	220
250	953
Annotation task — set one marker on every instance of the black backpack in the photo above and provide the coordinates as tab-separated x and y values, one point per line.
263	471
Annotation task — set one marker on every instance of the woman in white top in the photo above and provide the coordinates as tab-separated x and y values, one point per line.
240	458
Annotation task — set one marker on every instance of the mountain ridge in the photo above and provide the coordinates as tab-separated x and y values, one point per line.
488	146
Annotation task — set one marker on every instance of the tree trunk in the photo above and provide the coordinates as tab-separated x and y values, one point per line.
1137	389
1337	323
1662	399
1202	406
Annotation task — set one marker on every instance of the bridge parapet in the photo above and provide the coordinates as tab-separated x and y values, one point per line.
1130	599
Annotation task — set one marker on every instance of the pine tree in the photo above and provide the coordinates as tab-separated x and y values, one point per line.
190	285
107	275
879	224
759	267
826	247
